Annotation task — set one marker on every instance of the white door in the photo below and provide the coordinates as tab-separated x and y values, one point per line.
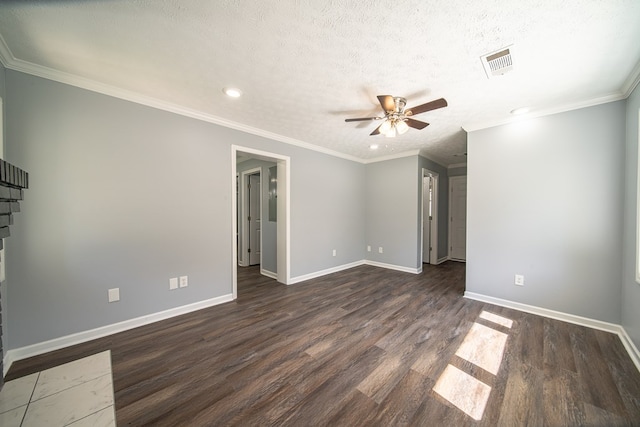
427	200
254	219
458	218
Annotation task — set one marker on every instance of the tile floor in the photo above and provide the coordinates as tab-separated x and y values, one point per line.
78	393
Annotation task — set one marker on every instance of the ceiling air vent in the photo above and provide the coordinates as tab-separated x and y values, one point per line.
499	62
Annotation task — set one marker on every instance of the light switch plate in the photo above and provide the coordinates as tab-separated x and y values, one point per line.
173	283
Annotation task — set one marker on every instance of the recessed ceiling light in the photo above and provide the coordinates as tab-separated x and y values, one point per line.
374	146
521	110
232	92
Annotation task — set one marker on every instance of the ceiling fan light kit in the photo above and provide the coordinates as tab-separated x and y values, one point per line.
397	120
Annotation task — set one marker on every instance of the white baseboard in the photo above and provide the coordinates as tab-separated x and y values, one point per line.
394	267
269	274
565	317
80	337
320	273
630	346
441	260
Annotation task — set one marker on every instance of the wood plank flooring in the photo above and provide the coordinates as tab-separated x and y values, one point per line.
362	347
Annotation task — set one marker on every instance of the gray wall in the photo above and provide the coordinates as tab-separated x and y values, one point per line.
329	215
631	289
545	200
269	228
392	215
459	171
3	284
443	204
123	195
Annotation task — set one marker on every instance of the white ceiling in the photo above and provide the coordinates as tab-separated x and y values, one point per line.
306	65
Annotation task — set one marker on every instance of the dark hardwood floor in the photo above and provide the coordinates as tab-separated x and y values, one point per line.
363	347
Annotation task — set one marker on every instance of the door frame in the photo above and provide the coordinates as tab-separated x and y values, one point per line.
433	234
452	180
244	198
283	239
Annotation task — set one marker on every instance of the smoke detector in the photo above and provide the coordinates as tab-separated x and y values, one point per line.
499	62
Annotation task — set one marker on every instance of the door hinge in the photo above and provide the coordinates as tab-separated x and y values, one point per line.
249	250
248	218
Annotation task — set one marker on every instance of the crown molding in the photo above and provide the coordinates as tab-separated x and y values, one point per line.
431	159
457	165
6	57
629	85
392	157
10	62
632	81
616	96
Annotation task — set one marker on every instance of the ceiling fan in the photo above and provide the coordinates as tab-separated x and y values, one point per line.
397	120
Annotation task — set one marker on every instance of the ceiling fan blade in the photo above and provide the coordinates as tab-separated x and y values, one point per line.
387	103
362	119
433	105
416	124
376	131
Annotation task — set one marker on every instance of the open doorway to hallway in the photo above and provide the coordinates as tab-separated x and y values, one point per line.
429	217
260	213
256	232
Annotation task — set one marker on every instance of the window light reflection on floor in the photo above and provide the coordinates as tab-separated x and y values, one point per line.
484	347
464	391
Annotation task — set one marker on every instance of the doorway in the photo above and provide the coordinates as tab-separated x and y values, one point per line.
429	192
255	209
282	210
249	205
458	214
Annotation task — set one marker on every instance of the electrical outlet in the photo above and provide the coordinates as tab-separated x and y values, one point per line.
334	252
368	248
380	250
184	281
173	283
519	280
114	294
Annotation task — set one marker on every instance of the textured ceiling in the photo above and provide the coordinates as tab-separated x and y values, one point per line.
306	65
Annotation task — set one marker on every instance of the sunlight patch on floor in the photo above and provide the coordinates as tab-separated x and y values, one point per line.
464	391
491	317
484	347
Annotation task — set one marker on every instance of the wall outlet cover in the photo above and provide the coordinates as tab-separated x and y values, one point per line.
380	250
184	281
114	294
519	280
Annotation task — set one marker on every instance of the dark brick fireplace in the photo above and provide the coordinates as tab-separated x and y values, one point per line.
12	182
